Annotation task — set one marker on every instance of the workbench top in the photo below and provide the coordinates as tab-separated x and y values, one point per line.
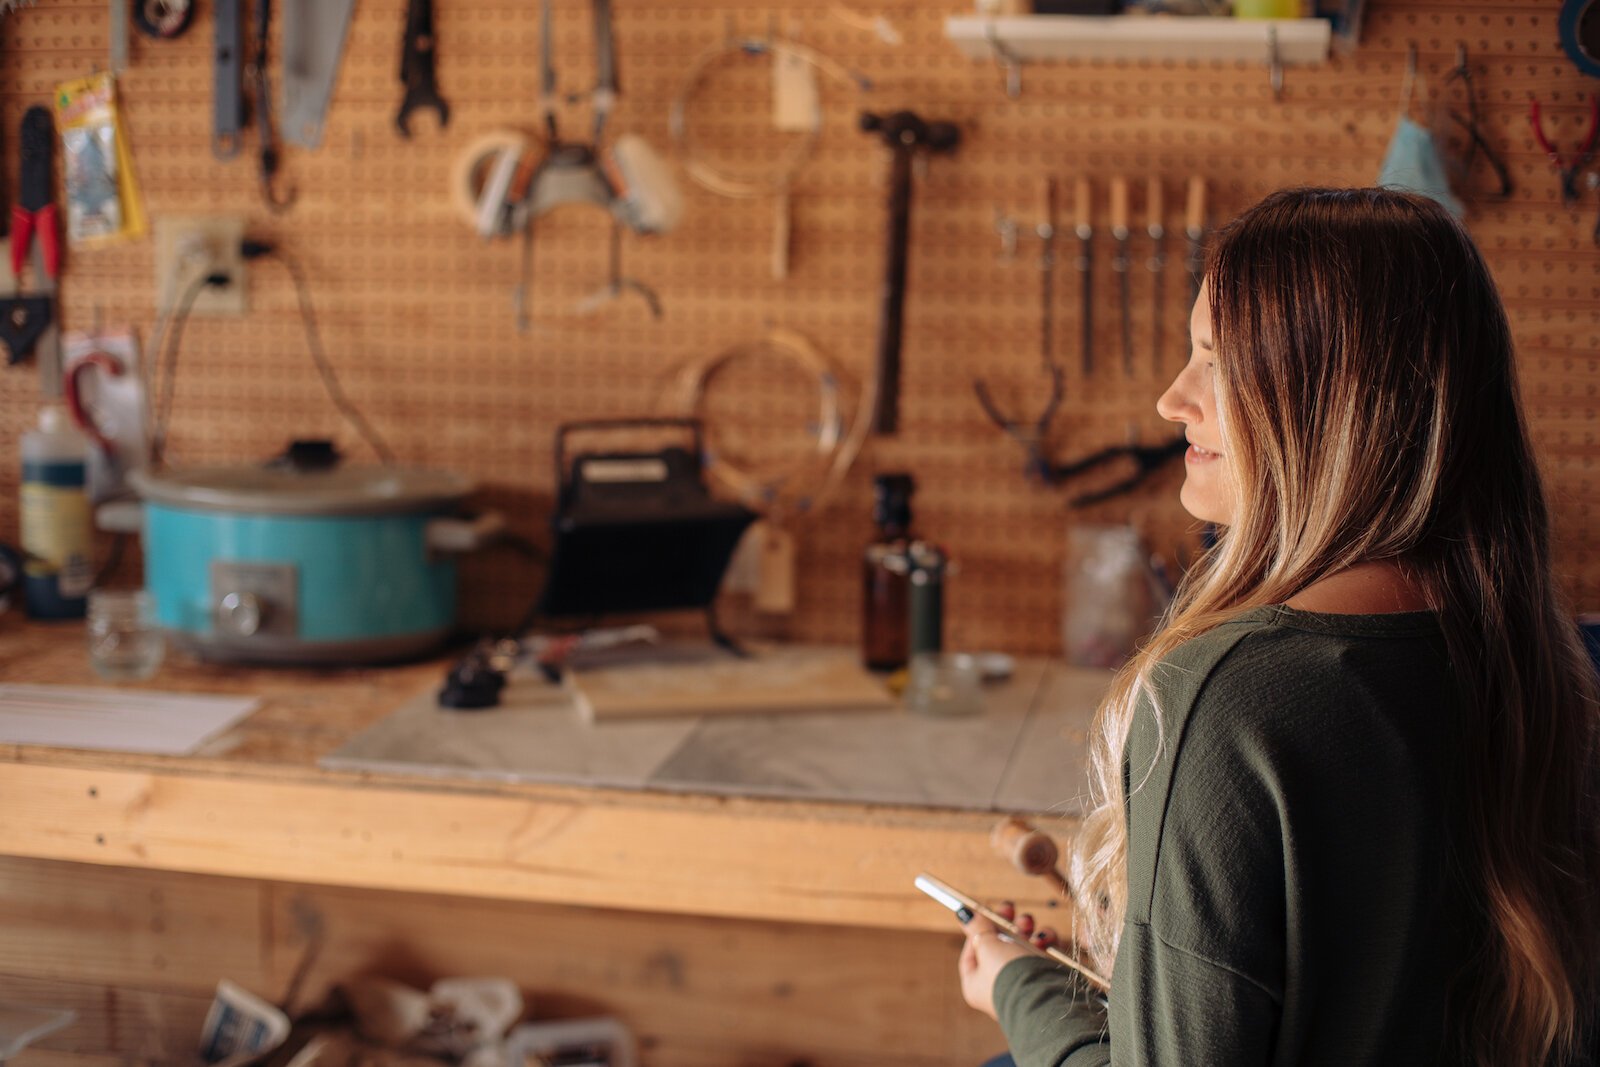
257	801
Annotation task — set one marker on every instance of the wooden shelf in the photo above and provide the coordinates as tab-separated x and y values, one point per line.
1026	38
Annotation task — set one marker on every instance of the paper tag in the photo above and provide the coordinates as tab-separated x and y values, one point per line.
796	102
775	585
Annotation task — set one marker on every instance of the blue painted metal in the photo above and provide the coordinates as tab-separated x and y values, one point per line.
1569	25
360	577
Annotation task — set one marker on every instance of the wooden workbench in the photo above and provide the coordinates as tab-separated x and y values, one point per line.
798	908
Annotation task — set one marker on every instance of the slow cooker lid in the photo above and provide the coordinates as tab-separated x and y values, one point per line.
284	491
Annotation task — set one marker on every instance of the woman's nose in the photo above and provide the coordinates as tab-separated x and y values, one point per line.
1175	405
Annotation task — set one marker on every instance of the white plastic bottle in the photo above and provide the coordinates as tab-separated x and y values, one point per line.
56	536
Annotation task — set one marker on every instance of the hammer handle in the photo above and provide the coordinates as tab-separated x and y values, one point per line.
1030	851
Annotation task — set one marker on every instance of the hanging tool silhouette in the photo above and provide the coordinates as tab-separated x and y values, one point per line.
35	227
909	138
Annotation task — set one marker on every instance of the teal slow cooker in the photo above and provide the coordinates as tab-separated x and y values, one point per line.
278	565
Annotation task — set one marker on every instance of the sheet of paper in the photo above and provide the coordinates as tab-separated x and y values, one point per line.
116	720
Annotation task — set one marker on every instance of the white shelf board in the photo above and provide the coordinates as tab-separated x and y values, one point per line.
1035	37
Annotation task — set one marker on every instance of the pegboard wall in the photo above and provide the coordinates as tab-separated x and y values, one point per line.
417	316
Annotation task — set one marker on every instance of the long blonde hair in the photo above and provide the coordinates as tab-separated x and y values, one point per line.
1365	379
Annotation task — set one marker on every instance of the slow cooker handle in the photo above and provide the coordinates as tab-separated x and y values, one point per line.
465	535
120	516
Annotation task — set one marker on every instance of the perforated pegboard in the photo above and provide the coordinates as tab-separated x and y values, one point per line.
416	310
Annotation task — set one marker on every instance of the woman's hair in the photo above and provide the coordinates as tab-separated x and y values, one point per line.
1365	383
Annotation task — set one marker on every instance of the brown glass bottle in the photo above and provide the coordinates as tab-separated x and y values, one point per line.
886	577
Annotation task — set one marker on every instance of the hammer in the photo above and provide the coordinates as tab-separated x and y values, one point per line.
908	138
1030	851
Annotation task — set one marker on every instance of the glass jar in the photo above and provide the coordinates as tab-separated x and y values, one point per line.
125	644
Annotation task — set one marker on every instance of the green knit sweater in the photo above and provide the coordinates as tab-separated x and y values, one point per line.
1290	893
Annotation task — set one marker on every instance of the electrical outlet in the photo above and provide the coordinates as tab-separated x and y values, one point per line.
188	247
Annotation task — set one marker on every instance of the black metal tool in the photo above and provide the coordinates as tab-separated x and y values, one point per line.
34	214
227	80
1046	229
1157	262
417	55
1194	226
1146	459
1033	439
1472	133
1122	264
266	132
23	320
1083	226
908	137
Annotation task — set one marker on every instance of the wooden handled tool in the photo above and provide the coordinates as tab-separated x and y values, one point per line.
1083	226
1045	227
1156	228
1030	851
1194	225
907	137
1121	263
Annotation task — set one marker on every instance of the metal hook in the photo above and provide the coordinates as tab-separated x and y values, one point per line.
1006	227
276	204
1033	439
1006	60
1274	64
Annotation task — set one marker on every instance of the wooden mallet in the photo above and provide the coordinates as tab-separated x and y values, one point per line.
1030	851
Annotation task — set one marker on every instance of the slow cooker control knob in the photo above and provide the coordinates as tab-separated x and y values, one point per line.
241	614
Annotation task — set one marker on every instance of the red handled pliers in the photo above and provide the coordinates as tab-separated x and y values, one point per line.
1568	168
35	211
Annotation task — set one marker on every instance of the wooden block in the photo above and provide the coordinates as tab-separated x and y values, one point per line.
789	679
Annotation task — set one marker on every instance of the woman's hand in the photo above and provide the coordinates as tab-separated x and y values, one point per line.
986	952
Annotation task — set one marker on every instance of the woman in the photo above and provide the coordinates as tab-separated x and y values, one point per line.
1344	803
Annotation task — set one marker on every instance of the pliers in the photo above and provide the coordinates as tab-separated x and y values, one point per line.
1569	169
35	211
1146	460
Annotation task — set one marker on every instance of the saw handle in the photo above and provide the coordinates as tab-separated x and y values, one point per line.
1195	215
1119	206
1081	211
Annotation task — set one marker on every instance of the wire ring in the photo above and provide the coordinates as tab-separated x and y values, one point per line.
792	159
764	491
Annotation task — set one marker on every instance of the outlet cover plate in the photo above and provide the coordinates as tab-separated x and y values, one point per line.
217	239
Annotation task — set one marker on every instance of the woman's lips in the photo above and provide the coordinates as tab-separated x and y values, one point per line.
1196	454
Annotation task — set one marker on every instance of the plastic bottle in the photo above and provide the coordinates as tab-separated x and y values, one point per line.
56	536
886	578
